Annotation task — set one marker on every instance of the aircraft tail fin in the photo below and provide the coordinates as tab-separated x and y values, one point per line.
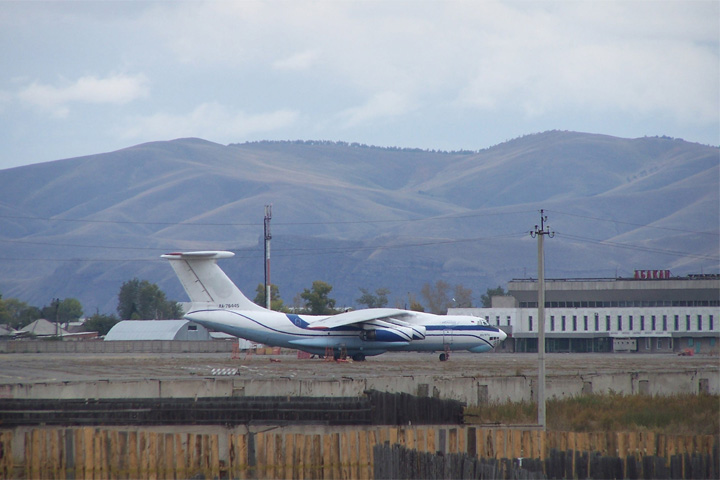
204	280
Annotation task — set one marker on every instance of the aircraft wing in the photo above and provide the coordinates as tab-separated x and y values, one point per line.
359	316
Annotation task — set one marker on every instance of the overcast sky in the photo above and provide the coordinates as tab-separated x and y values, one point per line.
81	78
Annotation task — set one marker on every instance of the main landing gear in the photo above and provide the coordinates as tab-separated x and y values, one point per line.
446	354
358	357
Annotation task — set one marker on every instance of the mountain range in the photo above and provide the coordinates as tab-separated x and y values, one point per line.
358	216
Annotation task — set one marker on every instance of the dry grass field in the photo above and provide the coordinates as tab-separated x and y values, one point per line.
673	415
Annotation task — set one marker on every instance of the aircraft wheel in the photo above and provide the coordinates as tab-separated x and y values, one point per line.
443	357
359	357
336	355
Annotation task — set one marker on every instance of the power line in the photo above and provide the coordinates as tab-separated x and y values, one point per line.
251	252
683	230
637	247
451	216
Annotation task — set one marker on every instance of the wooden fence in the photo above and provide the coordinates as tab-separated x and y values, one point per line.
290	453
394	462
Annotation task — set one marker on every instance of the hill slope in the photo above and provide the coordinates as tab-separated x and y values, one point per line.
357	216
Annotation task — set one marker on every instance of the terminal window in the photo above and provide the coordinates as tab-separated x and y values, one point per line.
642	322
530	323
687	322
630	323
652	323
619	322
563	322
607	323
552	323
677	323
699	322
710	321
664	323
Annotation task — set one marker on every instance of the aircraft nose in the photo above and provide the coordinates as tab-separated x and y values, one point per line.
503	336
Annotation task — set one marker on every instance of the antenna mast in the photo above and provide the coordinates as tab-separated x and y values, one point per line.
268	236
540	232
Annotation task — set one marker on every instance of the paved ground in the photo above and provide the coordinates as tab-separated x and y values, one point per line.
33	368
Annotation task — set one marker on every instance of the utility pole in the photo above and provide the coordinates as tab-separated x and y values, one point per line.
56	304
540	232
268	236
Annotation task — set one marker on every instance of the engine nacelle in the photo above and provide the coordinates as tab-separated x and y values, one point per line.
388	334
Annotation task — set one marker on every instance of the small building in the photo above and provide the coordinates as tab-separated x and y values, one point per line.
157	330
43	328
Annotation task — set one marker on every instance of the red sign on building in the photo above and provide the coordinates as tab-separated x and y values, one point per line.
652	274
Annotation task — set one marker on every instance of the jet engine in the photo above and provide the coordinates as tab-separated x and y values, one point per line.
387	334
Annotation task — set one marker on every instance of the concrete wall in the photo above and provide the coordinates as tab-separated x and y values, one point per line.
120	346
471	390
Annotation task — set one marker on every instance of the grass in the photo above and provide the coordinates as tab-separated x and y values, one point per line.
678	414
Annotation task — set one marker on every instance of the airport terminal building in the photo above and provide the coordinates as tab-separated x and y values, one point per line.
653	312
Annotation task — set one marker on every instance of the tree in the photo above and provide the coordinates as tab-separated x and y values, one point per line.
378	300
415	306
463	297
276	302
62	311
486	298
437	296
317	300
100	323
16	313
142	300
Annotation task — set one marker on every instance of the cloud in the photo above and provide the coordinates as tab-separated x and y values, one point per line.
209	120
117	89
379	106
299	61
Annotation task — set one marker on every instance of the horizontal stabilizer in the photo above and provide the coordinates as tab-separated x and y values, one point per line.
205	282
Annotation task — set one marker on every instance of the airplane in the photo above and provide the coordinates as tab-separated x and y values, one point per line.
218	304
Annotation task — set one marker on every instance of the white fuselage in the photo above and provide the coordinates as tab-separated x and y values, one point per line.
432	332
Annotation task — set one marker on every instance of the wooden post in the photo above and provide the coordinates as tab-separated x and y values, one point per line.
290	457
214	456
452	446
307	457
420	442
431	440
364	457
410	438
270	456
132	457
181	455
335	456
279	459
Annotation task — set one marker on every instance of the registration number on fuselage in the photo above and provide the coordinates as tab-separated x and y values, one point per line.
228	305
